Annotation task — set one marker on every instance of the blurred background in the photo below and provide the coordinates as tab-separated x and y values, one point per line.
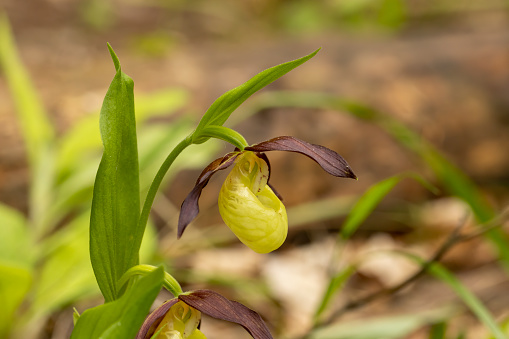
413	94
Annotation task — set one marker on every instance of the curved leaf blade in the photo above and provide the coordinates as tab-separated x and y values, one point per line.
220	110
123	317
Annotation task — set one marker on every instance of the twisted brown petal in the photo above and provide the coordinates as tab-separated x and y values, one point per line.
189	209
153	320
329	160
217	306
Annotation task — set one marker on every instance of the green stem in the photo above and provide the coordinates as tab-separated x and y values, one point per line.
222	133
149	200
170	283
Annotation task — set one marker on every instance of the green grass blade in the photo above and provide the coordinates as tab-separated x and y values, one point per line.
220	110
386	327
335	284
123	317
438	330
115	237
65	274
367	203
15	239
36	129
372	197
451	177
16	259
470	300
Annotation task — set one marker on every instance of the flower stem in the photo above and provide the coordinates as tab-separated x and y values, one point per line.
149	200
170	283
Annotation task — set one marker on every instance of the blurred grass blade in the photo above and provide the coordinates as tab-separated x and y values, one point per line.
319	210
358	214
387	327
451	177
123	317
65	274
115	237
16	259
220	110
470	300
16	243
367	203
15	282
372	197
335	284
36	129
438	330
84	137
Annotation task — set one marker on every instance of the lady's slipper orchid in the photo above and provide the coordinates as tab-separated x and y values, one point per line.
247	202
180	318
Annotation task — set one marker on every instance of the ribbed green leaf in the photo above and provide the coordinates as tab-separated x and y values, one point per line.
114	234
123	317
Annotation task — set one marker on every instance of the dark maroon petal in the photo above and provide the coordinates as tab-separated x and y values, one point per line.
264	157
330	161
217	306
189	209
149	326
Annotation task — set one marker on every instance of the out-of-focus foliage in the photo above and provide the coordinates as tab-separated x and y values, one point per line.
44	262
44	258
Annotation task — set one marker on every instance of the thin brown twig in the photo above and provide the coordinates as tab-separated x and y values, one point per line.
453	239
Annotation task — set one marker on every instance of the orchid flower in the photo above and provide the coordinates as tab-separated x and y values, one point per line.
248	204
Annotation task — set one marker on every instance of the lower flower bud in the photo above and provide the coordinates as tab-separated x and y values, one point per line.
180	322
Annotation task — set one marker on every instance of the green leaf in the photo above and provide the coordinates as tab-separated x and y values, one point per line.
123	317
36	129
15	282
470	300
15	241
83	140
65	275
220	110
16	258
115	237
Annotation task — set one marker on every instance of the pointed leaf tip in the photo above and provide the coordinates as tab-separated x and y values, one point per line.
114	57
